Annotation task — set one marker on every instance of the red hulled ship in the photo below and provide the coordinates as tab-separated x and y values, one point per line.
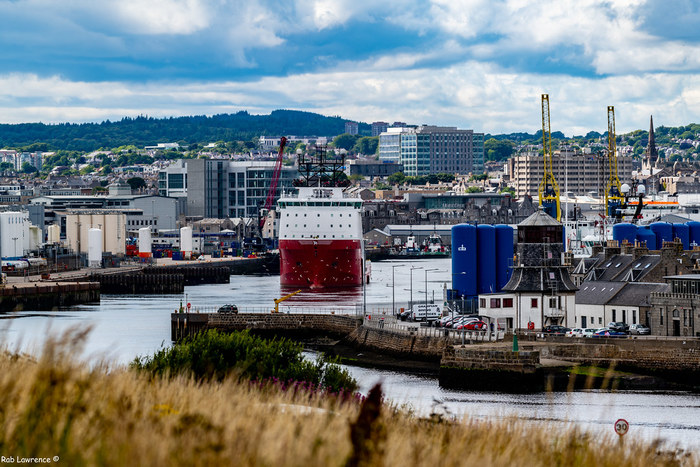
320	230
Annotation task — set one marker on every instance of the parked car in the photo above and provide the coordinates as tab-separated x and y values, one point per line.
228	309
444	320
405	315
462	320
575	332
640	329
473	326
619	326
607	332
588	332
555	329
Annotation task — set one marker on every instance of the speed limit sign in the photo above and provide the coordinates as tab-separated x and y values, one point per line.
622	427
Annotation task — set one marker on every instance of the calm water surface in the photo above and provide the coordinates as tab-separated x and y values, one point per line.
124	327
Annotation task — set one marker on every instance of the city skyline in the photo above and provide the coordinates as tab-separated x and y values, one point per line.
470	64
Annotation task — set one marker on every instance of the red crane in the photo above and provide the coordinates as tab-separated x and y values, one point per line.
273	183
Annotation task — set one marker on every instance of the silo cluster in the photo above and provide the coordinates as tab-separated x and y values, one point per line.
654	235
481	258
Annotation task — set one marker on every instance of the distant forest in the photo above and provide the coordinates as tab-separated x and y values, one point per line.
145	131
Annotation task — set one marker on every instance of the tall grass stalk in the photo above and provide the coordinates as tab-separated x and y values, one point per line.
95	415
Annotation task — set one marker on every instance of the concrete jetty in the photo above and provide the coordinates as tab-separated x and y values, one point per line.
46	295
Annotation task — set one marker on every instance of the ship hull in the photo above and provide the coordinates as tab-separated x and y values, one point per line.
320	263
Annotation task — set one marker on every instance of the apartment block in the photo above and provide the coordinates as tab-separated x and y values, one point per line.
575	172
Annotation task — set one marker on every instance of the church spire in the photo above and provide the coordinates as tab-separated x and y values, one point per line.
652	154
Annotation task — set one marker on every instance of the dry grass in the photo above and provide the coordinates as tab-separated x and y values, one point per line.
100	416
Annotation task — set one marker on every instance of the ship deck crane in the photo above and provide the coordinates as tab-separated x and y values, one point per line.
273	185
549	189
614	197
281	299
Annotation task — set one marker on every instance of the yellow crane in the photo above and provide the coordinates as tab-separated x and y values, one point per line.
281	299
614	198
549	189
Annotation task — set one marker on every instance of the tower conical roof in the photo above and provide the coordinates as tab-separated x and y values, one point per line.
539	218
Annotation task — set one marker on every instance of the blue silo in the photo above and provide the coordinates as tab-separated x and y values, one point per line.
682	232
464	270
624	231
646	235
663	231
504	255
486	258
694	227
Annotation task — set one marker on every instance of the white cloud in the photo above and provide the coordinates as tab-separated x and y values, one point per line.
470	95
163	16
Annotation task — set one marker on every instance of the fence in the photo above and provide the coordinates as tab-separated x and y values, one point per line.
453	336
334	310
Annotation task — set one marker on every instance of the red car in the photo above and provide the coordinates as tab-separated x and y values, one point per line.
473	326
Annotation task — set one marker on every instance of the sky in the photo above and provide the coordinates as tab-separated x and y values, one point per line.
473	64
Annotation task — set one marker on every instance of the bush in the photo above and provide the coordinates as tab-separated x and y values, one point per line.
214	355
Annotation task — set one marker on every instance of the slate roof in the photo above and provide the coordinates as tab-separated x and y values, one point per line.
539	218
598	292
637	293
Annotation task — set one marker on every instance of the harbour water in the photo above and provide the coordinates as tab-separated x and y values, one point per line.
124	327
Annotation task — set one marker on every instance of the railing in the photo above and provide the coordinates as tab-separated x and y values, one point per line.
295	310
554	313
454	336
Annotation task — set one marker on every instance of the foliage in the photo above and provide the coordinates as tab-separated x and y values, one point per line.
214	355
508	189
497	150
478	177
396	178
345	141
87	170
145	131
28	168
136	183
366	145
355	177
475	189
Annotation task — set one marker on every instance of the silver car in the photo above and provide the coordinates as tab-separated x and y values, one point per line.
640	329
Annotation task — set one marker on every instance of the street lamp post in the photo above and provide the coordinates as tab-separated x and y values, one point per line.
393	300
410	305
426	287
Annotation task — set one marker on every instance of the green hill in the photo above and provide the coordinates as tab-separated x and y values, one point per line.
142	131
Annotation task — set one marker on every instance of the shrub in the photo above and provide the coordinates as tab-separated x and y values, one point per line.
214	355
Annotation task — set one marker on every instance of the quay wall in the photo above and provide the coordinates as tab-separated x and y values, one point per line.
491	369
677	360
411	345
46	296
279	324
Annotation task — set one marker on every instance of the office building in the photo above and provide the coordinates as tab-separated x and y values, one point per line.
221	188
431	149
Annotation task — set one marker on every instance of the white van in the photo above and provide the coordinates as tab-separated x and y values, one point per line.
422	312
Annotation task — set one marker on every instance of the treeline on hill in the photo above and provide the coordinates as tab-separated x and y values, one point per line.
142	131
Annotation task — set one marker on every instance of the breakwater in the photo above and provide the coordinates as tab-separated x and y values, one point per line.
47	296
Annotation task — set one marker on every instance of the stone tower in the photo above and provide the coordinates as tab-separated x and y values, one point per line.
539	274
